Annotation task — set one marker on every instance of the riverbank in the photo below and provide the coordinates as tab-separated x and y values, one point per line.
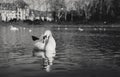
62	24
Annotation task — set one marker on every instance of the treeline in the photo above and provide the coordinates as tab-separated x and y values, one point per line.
80	10
88	10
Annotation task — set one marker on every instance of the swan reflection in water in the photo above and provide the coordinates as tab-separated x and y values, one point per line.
45	46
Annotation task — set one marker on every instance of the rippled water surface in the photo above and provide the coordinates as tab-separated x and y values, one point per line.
77	50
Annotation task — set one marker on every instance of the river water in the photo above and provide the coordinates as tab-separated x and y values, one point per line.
91	52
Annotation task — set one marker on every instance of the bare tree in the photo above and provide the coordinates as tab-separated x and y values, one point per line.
21	4
58	6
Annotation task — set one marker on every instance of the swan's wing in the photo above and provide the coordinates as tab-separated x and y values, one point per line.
34	38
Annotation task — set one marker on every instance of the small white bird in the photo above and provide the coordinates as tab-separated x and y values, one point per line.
58	28
66	28
95	29
100	29
104	29
80	29
13	28
30	30
24	28
105	22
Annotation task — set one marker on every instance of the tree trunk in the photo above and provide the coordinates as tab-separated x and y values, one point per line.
71	16
65	16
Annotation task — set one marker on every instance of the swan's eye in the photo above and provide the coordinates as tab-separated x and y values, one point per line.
44	37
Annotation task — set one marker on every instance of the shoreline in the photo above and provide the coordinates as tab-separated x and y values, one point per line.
62	24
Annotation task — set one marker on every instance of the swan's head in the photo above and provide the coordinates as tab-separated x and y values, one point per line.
47	34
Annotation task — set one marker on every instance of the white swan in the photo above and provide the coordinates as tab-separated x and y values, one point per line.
13	28
46	46
50	46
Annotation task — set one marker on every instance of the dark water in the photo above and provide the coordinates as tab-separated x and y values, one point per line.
88	53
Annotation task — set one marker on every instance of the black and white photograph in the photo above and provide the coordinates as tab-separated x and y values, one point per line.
59	38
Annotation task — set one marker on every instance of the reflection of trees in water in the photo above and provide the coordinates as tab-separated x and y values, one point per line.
11	37
81	40
8	36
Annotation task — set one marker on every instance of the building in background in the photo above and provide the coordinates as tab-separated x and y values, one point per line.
11	11
22	14
20	10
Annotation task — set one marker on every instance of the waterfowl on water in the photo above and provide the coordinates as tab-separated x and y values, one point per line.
66	28
30	30
24	28
46	46
80	29
50	47
13	28
58	28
